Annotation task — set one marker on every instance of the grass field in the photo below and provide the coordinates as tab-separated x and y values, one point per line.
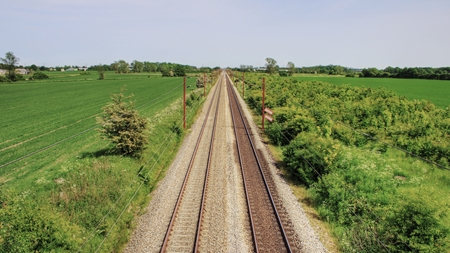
38	114
71	195
437	91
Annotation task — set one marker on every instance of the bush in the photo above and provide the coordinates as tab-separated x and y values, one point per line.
39	76
16	77
283	73
350	75
310	156
414	227
25	226
122	124
3	79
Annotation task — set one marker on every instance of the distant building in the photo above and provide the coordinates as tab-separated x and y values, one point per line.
22	71
3	72
71	69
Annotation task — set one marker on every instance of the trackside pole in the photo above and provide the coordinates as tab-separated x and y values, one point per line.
184	102
204	84
263	95
243	90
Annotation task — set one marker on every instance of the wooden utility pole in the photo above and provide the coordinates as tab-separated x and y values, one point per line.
263	95
184	102
204	84
243	90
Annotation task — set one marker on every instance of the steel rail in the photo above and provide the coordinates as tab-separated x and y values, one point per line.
175	211
243	174
208	165
285	238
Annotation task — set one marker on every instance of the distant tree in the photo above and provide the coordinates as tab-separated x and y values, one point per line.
101	72
150	67
123	126
138	66
179	70
123	67
10	62
291	68
271	66
33	67
370	72
283	73
115	66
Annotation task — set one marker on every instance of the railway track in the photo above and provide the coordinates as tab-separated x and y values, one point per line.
184	228
270	224
267	221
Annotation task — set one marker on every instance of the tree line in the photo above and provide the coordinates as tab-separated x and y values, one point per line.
442	73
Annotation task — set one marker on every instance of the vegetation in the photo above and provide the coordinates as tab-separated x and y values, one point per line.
291	68
10	61
337	141
435	91
122	125
70	197
39	76
327	70
414	73
271	66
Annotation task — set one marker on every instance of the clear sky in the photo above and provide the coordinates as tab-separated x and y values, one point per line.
228	33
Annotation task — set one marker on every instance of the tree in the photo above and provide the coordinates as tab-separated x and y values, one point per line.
150	67
10	62
291	68
138	66
115	66
122	125
271	66
179	70
101	72
123	66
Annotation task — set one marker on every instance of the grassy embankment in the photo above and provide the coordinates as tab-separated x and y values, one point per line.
74	192
370	196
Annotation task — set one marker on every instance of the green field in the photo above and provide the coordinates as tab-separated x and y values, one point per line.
437	91
60	187
38	114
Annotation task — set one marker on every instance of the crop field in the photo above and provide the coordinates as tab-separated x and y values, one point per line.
62	110
437	91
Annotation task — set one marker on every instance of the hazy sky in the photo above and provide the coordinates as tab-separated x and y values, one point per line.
228	33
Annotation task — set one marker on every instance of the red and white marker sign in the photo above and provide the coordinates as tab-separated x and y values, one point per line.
268	111
268	118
